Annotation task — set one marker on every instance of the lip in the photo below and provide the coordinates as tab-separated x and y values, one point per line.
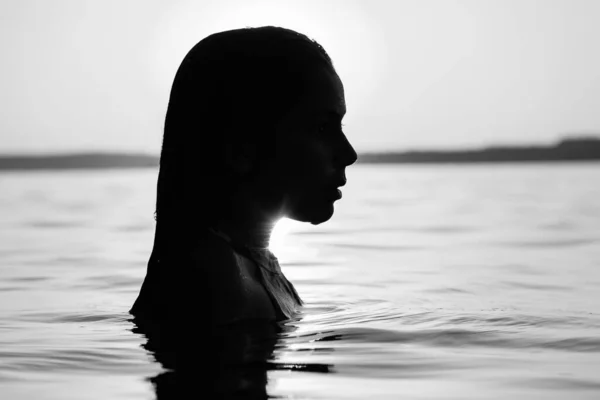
332	194
335	192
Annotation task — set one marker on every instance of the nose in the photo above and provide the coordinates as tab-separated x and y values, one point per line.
345	154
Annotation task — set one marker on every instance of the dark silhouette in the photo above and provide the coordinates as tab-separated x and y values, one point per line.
252	134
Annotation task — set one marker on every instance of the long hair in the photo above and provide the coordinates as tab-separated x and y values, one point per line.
231	88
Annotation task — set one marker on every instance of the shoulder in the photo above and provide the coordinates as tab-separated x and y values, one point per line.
210	282
223	285
236	291
214	259
187	281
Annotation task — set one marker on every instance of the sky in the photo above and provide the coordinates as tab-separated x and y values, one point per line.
95	75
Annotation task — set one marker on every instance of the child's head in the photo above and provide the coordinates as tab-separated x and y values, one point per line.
258	108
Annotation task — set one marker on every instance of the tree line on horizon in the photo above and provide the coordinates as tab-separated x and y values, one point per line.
568	149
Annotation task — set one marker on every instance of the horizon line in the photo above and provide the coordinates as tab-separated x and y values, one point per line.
63	153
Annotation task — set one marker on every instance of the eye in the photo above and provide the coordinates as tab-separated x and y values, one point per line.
327	126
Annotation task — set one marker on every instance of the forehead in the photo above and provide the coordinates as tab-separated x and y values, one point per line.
324	94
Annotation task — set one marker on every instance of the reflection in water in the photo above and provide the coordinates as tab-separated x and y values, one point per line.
231	361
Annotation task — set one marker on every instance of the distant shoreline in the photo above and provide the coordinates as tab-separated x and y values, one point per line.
578	149
581	149
77	161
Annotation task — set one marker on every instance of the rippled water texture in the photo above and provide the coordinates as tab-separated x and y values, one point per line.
449	282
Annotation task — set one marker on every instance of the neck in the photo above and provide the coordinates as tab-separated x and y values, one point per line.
247	223
249	233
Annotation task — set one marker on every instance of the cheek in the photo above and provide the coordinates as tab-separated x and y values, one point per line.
305	161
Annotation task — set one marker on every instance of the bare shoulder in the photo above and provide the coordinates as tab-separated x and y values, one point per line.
214	259
234	292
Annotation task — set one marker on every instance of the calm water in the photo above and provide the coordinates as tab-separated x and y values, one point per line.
449	282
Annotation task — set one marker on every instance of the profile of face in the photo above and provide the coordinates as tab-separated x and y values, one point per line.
311	152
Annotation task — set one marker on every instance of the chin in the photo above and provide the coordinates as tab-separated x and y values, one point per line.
314	215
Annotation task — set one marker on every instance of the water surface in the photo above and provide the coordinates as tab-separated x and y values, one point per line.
465	282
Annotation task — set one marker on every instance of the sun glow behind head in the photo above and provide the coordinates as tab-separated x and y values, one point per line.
353	32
